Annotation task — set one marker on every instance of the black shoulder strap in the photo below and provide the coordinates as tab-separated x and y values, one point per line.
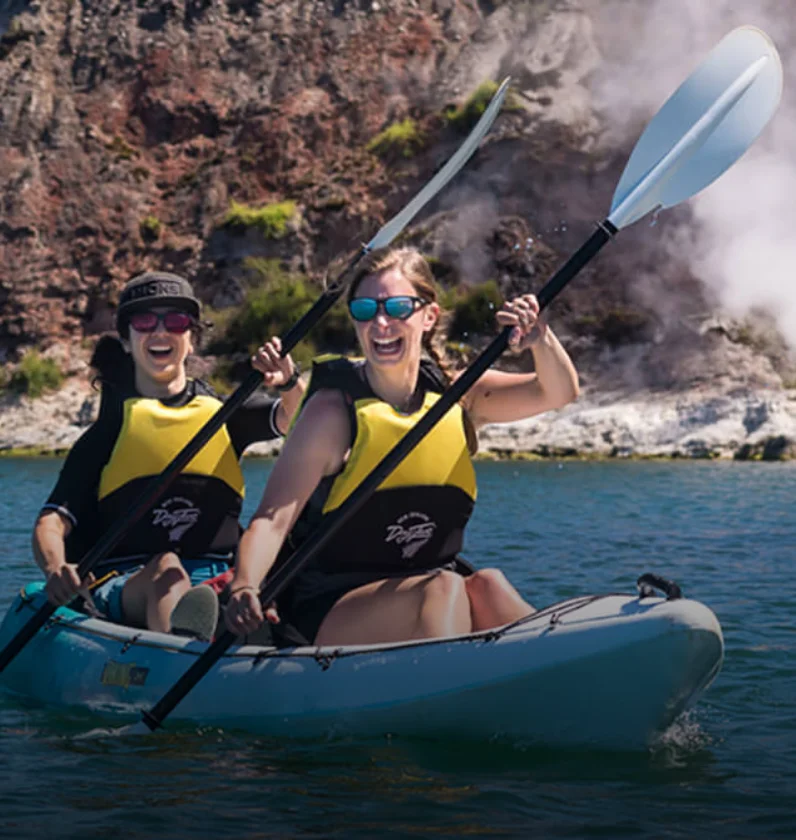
431	377
337	374
341	374
203	389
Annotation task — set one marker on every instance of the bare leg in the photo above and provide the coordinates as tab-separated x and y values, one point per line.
151	594
394	610
493	600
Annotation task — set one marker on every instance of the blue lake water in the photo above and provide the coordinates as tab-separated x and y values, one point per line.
726	532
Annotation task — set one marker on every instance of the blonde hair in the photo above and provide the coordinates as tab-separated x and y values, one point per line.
413	266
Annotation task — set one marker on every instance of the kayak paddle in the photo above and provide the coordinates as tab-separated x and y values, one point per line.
158	486
706	125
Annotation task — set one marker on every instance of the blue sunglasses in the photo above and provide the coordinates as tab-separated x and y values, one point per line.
399	306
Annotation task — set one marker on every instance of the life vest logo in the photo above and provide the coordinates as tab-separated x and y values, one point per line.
411	531
177	515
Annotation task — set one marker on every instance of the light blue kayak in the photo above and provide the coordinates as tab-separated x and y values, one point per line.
601	670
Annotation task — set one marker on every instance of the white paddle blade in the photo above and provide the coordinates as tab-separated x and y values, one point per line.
703	128
463	154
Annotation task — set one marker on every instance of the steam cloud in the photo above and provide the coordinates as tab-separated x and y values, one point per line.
746	250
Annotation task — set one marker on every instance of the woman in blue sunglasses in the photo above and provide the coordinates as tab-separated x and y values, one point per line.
149	410
392	574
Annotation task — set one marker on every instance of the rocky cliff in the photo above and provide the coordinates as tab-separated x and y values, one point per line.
130	130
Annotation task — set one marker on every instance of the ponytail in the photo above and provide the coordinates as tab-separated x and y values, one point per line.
112	363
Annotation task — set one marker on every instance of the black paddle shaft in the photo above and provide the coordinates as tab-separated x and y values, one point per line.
158	485
321	537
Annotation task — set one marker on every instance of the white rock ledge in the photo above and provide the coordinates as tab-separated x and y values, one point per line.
704	422
700	423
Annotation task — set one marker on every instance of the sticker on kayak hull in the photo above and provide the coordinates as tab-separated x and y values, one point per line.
123	674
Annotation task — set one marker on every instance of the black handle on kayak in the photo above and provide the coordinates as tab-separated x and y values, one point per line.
649	582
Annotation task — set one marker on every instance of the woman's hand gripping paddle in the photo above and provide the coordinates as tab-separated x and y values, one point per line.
707	124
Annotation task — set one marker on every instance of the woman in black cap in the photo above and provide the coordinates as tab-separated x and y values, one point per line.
148	411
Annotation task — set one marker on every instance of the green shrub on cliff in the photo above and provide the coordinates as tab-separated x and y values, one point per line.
121	148
273	304
283	297
467	115
149	227
473	309
34	375
15	34
402	139
269	310
272	220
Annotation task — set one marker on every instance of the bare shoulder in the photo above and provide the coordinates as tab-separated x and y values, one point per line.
323	430
325	407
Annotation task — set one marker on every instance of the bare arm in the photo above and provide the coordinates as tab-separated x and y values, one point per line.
500	397
316	448
49	552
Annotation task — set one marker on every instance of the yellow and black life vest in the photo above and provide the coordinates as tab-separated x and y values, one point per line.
153	433
416	518
200	509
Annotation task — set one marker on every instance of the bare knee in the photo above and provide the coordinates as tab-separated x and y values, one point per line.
486	582
167	573
445	610
493	600
445	586
162	562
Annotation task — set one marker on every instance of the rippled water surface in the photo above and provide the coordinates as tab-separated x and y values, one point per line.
725	532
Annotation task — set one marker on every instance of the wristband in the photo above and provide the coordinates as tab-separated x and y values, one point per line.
291	383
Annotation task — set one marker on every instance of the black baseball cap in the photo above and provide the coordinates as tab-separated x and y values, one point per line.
155	288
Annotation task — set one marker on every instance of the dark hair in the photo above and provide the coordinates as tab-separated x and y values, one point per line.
112	363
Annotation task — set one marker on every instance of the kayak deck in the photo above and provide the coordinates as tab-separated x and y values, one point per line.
608	670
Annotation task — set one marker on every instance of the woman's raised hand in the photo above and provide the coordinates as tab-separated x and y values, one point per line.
522	313
276	370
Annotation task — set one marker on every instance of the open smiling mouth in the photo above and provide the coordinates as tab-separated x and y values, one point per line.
160	353
388	347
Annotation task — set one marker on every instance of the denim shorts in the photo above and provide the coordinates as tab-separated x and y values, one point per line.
107	596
